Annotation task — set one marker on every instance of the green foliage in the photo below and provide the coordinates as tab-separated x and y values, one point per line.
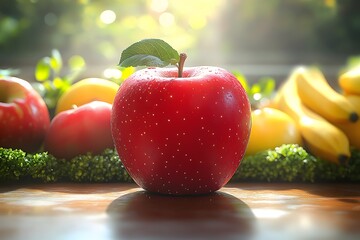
242	79
9	28
97	168
17	165
118	74
51	84
149	52
287	163
13	164
44	167
259	91
292	163
351	63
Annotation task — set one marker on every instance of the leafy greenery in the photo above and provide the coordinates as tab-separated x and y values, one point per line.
50	81
16	165
352	62
118	74
259	91
287	163
292	163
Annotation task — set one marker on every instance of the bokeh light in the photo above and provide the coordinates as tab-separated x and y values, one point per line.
166	19
159	5
108	16
112	73
50	19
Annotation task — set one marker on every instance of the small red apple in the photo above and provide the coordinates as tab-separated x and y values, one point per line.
181	135
24	117
80	130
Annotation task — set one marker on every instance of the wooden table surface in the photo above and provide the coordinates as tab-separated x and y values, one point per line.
124	211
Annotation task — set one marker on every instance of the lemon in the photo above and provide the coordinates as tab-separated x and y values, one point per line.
271	128
85	91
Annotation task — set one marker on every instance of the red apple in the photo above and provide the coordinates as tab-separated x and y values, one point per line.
181	135
80	130
24	117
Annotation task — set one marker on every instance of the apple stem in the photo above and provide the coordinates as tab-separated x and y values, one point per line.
180	66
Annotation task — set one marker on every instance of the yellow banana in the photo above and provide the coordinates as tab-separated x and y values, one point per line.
350	81
321	138
316	93
352	130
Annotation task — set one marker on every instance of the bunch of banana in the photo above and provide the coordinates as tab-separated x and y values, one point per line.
351	129
321	137
316	93
350	84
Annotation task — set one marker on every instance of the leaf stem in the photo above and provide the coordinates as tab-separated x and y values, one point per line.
180	66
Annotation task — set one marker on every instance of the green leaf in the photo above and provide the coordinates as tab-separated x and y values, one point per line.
149	52
242	79
267	86
126	72
43	69
56	60
353	61
58	82
144	60
255	88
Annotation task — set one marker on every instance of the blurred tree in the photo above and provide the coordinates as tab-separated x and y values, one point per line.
348	26
38	25
9	24
99	30
294	29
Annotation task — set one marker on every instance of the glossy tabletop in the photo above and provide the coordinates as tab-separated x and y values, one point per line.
124	211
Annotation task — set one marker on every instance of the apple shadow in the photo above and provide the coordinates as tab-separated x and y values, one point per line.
144	215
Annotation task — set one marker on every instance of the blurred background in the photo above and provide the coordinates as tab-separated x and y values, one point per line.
255	37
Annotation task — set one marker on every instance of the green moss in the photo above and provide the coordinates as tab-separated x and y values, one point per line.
286	163
292	163
16	165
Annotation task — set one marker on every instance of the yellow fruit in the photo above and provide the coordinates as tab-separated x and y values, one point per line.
85	91
316	94
350	81
320	137
352	130
271	128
